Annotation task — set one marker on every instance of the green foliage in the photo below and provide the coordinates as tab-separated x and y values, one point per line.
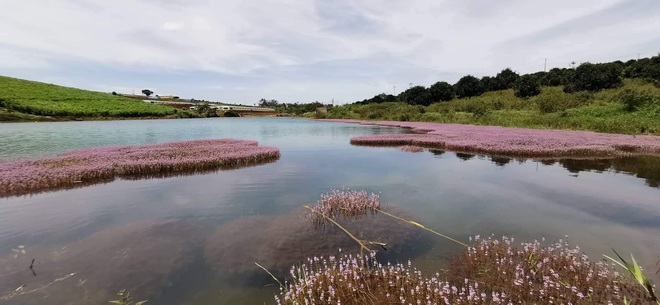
637	274
633	99
268	103
553	100
603	111
489	83
230	114
441	92
645	68
526	86
51	100
300	108
204	110
594	77
380	98
556	77
146	92
505	79
417	95
468	86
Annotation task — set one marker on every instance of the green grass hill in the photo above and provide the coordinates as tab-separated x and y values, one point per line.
25	100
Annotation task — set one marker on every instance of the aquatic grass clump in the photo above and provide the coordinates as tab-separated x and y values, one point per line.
533	273
513	142
99	164
345	203
491	271
362	280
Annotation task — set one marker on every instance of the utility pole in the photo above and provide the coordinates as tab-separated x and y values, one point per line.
545	65
394	89
409	85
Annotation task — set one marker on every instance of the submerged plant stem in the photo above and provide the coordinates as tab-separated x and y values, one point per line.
422	227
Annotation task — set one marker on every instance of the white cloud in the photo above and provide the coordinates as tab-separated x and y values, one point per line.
267	47
172	26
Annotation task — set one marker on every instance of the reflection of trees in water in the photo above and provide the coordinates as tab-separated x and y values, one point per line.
437	152
646	167
500	161
464	156
643	167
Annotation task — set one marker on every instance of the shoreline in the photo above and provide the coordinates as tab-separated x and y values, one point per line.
512	142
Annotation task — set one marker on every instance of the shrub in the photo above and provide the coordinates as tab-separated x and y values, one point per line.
633	99
526	86
468	86
231	114
555	101
441	91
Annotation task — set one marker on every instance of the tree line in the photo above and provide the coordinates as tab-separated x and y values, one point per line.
585	77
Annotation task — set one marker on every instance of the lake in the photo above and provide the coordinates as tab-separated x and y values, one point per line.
194	239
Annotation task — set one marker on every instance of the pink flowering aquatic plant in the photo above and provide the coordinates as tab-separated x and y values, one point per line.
491	271
513	142
345	203
99	164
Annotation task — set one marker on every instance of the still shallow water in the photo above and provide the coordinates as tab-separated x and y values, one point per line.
194	239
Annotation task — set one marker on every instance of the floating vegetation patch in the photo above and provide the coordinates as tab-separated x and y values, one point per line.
103	164
513	142
489	272
144	257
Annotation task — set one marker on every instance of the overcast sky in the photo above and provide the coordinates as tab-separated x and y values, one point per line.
307	50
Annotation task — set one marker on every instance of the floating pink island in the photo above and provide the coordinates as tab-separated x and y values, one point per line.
99	164
512	142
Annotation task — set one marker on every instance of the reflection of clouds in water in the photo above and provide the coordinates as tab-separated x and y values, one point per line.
145	257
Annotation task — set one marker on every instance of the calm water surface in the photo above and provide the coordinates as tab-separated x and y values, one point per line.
194	239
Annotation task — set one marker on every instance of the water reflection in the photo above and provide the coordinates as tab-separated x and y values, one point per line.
643	167
194	239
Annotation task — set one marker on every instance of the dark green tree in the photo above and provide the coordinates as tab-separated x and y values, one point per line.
268	103
594	77
646	68
441	92
468	86
417	95
490	83
526	86
506	79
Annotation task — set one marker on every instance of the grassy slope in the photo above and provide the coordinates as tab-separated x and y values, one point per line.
28	97
603	111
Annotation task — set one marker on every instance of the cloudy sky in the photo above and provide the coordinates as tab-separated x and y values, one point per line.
307	50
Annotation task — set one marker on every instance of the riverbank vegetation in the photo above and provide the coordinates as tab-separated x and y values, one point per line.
103	164
612	97
23	100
